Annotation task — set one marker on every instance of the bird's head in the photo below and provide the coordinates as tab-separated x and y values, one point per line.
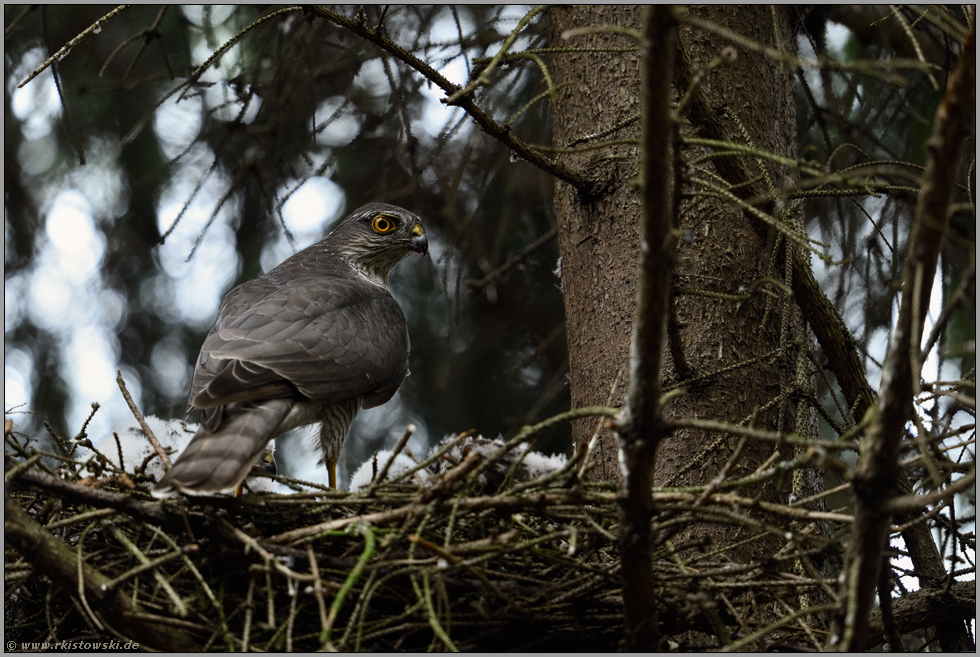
377	236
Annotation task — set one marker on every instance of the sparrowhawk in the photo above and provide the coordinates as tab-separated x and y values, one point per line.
313	340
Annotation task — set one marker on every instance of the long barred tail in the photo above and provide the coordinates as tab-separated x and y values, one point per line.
217	461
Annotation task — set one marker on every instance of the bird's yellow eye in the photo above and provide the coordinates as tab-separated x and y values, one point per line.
383	224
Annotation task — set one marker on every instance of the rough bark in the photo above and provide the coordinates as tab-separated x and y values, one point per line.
599	235
728	255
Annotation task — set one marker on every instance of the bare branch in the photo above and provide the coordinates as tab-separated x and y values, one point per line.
61	564
491	127
926	607
65	49
641	426
164	459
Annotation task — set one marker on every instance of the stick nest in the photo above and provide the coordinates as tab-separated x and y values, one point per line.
447	565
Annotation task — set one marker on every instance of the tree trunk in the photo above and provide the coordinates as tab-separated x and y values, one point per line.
752	97
598	236
749	338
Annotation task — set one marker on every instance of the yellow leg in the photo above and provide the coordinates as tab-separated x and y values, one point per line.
332	473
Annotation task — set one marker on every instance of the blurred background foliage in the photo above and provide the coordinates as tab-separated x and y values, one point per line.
140	185
876	118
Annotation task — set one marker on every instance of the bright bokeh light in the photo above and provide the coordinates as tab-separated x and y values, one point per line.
18	366
50	296
198	255
372	79
207	15
335	121
315	204
309	209
72	231
36	104
67	298
177	124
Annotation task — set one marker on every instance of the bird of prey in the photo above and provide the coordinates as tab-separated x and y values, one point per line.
313	340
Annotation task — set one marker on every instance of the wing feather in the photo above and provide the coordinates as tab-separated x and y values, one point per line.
325	339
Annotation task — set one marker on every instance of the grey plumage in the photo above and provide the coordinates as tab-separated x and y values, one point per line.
313	340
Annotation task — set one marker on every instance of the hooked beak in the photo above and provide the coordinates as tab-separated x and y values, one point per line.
419	242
